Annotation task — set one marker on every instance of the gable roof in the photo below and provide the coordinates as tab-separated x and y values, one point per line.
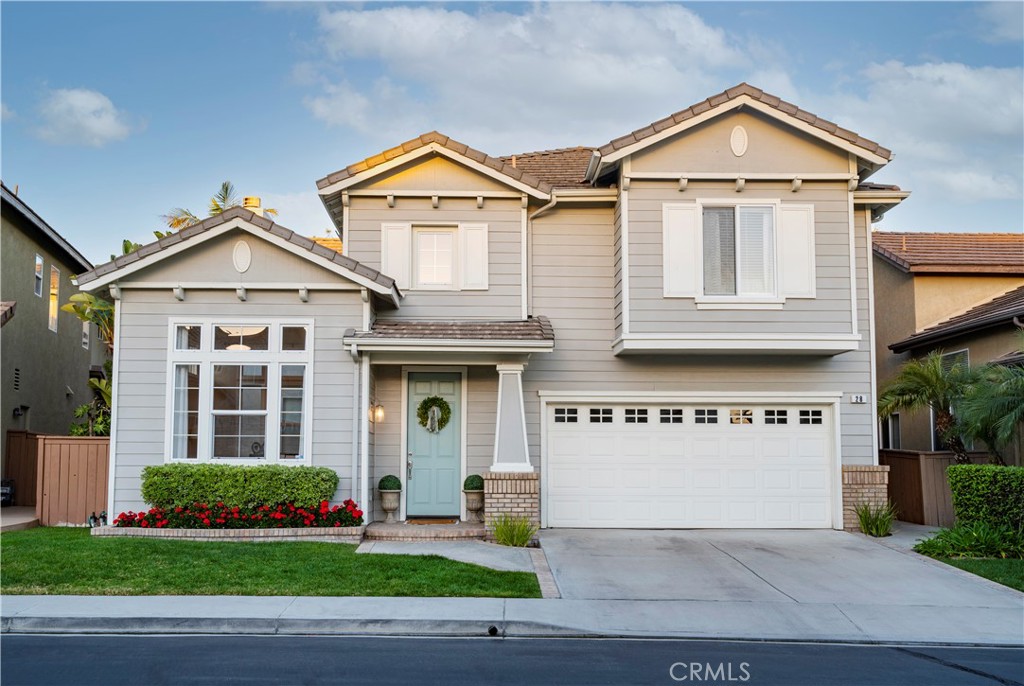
989	253
237	217
999	311
731	98
12	201
561	168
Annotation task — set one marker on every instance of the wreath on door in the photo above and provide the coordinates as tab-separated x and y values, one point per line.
434	413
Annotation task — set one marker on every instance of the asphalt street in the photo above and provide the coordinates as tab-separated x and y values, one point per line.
111	660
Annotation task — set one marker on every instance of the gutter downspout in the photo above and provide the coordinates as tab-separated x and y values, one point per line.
592	166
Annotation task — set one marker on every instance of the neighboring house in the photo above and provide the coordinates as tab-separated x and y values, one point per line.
960	293
47	353
672	330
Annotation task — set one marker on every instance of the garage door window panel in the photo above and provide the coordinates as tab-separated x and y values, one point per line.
601	415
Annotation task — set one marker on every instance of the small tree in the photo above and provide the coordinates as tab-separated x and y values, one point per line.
993	409
96	412
96	310
931	383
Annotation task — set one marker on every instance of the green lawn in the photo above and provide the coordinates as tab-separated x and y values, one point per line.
65	561
1008	572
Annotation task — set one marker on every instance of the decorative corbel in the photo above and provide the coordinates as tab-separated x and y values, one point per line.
683	183
241	293
479	202
304	294
344	199
434	201
179	293
741	183
524	201
391	199
115	291
852	184
625	183
795	186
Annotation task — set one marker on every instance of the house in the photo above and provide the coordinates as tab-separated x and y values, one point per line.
47	353
671	330
959	293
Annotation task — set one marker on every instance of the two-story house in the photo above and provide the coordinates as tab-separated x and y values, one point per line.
47	354
671	330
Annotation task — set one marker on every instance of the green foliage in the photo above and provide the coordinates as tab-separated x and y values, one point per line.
993	409
513	531
96	412
987	493
473	482
976	539
389	483
423	411
98	311
128	246
224	199
876	521
183	485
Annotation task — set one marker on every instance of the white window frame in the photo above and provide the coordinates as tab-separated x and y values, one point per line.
886	426
414	255
274	358
770	300
38	269
53	300
86	335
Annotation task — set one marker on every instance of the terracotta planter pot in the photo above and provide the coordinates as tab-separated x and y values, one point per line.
389	501
475	505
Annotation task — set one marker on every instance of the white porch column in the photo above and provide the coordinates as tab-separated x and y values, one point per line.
510	448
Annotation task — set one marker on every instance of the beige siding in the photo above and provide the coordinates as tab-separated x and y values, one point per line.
651	312
142	374
433	174
503	297
584	323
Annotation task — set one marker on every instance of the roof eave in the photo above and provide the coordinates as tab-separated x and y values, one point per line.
930	339
22	208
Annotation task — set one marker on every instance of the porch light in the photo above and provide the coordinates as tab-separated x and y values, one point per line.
376	413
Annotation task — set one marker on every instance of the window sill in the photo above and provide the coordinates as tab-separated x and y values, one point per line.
739	303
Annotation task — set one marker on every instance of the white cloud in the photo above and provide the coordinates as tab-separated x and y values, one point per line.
1002	22
558	74
6	113
303	213
79	116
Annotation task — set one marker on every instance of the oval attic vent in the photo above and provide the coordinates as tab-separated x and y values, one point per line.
241	256
738	141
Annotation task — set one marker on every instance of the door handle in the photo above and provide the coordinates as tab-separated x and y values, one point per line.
408	468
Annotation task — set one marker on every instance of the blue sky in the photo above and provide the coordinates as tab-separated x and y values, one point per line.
113	113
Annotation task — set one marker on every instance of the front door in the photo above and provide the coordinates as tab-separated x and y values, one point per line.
434	472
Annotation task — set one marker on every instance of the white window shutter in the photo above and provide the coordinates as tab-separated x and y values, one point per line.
681	248
796	251
396	253
475	261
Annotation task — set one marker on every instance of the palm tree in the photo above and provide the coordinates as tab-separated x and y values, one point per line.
225	198
931	382
994	407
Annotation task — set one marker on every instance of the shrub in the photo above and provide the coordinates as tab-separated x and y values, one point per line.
473	482
876	521
389	483
976	539
988	493
514	531
224	516
182	485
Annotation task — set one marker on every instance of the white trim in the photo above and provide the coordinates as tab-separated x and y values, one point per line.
873	338
463	426
431	148
115	410
507	369
624	238
374	193
855	325
829	344
732	176
37	279
232	285
736	103
345	214
523	273
364	437
832	399
743	304
449	345
355	494
237	223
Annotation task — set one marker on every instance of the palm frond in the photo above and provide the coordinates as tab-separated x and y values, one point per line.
223	199
180	218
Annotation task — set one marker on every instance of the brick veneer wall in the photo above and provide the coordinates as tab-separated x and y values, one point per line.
863	484
342	534
512	493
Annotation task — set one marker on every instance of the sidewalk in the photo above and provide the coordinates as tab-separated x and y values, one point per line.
848	623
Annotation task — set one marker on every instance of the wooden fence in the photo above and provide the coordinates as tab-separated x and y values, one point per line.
918	485
66	475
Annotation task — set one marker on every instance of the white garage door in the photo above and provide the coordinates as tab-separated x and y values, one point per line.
689	466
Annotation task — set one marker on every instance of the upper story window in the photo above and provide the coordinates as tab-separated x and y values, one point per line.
435	257
37	285
54	297
739	251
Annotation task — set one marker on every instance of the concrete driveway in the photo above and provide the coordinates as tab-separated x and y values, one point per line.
777	566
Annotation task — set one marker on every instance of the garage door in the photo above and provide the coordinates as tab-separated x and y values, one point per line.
689	466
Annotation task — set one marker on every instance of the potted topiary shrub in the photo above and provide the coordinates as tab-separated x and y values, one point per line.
473	487
390	488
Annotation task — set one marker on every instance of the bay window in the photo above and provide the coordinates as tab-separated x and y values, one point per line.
238	391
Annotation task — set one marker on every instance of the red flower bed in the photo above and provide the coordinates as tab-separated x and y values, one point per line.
221	516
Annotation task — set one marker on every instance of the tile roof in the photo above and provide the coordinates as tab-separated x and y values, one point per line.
731	94
424	140
533	329
562	168
7	308
995	253
250	218
998	311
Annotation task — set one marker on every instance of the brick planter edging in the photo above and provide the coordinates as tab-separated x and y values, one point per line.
863	484
341	534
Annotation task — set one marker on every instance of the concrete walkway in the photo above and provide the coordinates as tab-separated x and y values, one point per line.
17	517
491	555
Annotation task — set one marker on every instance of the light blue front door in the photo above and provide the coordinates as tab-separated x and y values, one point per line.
433	487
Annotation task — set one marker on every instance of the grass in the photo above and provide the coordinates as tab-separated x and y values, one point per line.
1008	572
65	561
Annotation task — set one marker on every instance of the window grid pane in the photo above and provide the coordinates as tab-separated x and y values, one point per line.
241	338
293	378
239	408
434	258
672	415
702	416
636	415
566	415
757	251
188	337
719	251
185	436
600	415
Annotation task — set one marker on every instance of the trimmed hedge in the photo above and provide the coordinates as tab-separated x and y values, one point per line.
182	485
987	493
